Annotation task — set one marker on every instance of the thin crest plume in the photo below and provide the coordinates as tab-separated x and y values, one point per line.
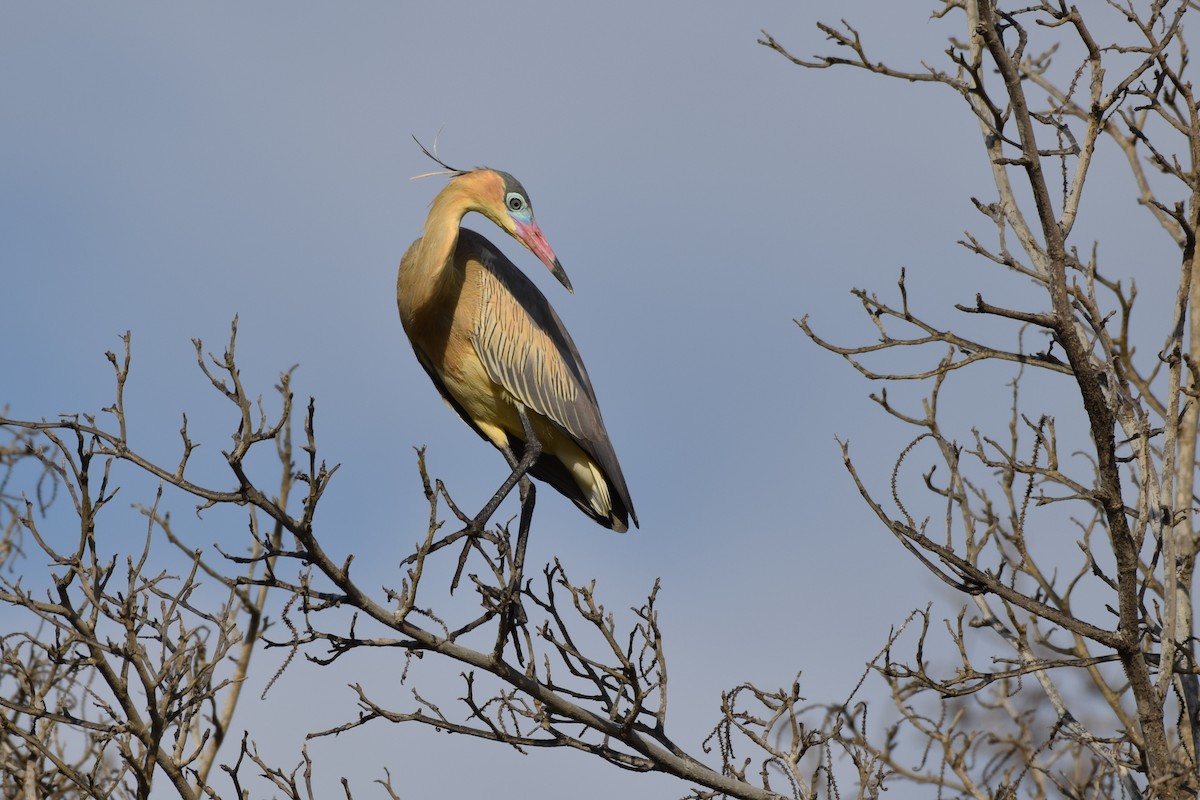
449	170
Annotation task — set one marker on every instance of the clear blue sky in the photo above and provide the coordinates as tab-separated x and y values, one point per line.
167	166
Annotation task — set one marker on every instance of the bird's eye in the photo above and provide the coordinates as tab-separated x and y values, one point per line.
515	202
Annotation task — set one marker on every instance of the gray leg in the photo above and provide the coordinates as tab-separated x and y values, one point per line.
533	451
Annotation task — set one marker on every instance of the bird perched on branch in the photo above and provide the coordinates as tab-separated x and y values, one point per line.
498	352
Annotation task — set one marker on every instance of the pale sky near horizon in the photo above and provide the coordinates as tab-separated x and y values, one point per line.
167	166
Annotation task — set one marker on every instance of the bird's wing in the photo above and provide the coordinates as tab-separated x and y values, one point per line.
527	350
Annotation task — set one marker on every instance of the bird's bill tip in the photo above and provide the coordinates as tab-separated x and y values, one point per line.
557	271
531	236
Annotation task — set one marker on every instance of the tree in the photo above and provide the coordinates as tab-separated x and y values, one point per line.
1068	678
1046	89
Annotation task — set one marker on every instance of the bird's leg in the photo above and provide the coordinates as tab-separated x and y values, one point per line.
533	450
528	498
512	611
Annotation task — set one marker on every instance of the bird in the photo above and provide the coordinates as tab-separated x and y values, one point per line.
496	350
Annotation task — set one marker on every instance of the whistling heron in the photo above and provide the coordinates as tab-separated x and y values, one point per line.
498	352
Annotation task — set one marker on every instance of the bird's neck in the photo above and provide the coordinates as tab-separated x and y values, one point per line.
440	237
441	226
429	273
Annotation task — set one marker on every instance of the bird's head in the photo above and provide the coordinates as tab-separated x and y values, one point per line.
502	199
